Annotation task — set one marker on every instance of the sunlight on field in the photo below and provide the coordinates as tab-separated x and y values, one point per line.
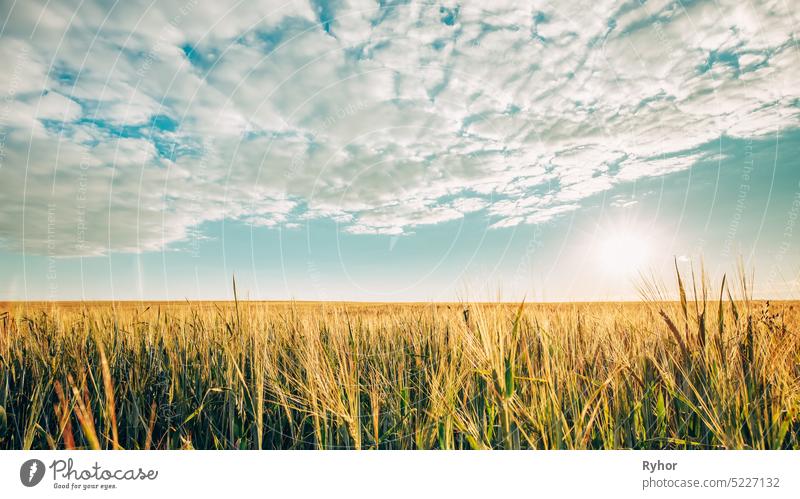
689	374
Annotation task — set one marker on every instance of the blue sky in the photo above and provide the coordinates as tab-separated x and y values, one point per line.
394	150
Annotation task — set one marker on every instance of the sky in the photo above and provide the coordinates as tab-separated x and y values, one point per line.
395	150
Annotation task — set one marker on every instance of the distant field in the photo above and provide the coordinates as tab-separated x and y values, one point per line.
694	374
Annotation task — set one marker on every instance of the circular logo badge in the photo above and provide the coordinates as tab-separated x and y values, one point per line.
31	472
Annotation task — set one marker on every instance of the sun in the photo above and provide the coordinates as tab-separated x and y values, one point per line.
623	253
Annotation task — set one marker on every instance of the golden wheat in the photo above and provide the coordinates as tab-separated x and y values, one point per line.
689	374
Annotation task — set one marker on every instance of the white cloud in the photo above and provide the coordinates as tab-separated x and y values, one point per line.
384	119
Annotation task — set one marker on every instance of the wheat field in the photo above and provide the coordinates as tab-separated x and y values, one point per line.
696	373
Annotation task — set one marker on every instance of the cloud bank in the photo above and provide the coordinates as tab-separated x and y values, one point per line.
126	128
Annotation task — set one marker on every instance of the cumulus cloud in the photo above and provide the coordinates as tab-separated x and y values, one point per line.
125	128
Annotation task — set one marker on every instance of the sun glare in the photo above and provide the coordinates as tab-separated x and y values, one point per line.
623	253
